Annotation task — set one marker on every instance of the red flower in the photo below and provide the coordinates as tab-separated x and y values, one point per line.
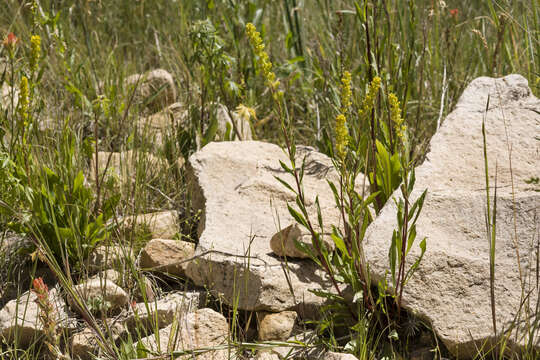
40	288
454	13
10	40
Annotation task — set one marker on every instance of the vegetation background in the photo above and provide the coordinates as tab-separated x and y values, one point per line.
424	51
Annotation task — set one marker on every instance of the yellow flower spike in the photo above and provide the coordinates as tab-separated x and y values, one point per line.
24	96
342	136
369	100
263	60
346	92
395	116
35	51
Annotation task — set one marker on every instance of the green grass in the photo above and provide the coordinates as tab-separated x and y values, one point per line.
425	52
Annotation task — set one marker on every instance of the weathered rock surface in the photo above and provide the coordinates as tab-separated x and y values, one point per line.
166	255
234	183
107	257
155	88
276	326
203	328
100	295
20	317
283	242
163	311
84	344
451	288
160	225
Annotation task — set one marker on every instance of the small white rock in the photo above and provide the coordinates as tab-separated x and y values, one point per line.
276	326
166	256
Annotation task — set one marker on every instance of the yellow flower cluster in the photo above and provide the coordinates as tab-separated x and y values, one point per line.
342	132
369	100
342	136
263	60
395	115
345	92
35	51
24	101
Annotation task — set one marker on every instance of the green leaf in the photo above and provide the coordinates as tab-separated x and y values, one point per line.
286	184
78	182
211	132
297	216
411	238
340	244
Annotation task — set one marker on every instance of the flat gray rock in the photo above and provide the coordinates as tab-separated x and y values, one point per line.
451	288
243	207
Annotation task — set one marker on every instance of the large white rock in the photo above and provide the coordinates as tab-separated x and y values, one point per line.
451	288
243	207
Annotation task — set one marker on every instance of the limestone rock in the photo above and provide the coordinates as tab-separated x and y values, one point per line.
167	255
100	295
20	317
160	225
173	306
84	344
155	88
283	242
106	257
243	204
276	326
451	288
125	281
203	328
